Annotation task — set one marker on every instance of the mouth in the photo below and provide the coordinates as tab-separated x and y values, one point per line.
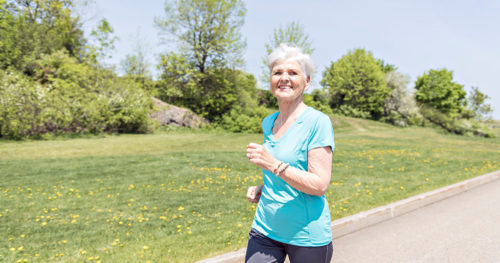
284	87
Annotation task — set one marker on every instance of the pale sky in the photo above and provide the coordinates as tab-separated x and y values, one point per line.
416	36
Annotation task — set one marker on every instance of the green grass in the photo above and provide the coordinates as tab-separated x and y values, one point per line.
179	196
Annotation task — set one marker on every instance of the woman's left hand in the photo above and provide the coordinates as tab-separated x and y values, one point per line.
258	155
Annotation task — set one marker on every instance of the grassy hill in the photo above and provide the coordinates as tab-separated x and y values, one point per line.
179	195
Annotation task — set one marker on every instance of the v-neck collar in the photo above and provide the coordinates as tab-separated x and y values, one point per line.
295	123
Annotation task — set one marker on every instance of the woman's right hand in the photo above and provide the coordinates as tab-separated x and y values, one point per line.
254	192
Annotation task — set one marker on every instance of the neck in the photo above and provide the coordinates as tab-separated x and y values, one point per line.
291	108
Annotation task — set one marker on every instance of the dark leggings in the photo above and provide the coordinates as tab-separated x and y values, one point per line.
262	249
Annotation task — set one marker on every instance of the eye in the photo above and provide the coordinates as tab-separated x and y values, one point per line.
293	73
277	73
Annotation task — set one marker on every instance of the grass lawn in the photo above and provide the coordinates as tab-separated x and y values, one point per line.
179	196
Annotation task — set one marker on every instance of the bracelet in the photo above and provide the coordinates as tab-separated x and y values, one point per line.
282	169
275	170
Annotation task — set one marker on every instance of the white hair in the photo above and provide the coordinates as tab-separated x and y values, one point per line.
285	51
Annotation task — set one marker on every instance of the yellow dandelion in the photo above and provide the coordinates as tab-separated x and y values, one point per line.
180	208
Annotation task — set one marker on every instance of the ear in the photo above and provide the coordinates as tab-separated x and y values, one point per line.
308	82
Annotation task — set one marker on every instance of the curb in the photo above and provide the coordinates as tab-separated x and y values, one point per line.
353	223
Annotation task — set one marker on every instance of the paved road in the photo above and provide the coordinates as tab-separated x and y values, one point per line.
463	228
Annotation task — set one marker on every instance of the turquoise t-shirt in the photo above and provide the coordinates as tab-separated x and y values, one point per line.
285	214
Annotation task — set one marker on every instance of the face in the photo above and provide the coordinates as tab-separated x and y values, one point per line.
288	80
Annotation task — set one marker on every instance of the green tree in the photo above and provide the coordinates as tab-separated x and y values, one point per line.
137	67
30	28
292	34
104	42
356	84
207	31
437	90
201	74
386	67
477	104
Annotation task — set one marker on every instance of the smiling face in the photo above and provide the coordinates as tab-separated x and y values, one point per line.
288	80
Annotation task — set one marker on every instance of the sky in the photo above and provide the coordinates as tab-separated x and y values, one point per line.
460	35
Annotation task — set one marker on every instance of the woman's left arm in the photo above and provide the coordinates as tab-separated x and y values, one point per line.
315	181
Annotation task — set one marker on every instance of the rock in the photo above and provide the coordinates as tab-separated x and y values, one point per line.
167	114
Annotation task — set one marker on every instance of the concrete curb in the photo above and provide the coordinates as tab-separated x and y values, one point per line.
353	223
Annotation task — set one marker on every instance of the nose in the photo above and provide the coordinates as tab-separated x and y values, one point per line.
284	77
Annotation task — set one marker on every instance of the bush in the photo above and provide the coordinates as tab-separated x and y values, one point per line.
318	99
245	120
455	125
400	107
70	97
21	103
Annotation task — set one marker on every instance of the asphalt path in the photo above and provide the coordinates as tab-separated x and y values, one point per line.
464	228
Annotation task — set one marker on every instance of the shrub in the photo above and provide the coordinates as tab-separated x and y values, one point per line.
70	97
318	99
21	103
455	125
400	107
245	120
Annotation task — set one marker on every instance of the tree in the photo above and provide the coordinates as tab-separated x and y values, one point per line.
201	75
477	104
30	28
437	90
400	107
136	64
104	42
137	67
292	34
386	67
208	31
356	85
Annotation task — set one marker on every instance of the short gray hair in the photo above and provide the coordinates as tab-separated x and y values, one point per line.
285	51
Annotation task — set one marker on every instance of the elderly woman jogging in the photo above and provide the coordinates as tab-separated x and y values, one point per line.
292	217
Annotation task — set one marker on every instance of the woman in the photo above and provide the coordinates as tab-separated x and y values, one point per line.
292	217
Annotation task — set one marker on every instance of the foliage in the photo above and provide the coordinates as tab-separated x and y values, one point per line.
318	99
437	90
292	34
208	31
477	104
356	84
455	125
400	107
201	76
69	96
245	119
266	98
210	94
386	67
442	102
29	29
136	67
104	40
20	104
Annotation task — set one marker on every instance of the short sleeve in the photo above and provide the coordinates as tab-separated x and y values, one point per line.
322	133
